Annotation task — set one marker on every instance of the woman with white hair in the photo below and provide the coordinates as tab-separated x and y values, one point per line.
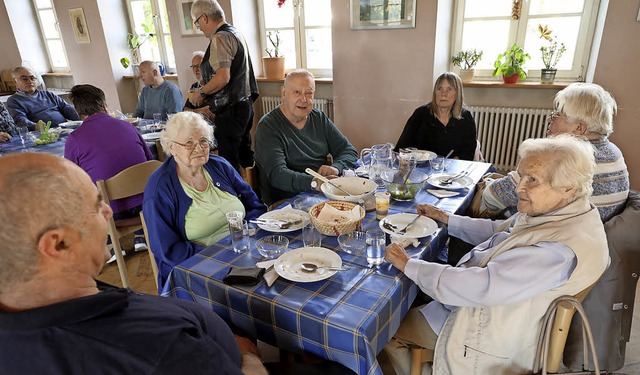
186	199
486	313
585	110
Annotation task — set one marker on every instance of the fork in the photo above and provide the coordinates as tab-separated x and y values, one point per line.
404	230
450	180
282	224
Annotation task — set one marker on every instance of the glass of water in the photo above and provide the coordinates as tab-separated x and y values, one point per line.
376	242
310	235
239	236
23	132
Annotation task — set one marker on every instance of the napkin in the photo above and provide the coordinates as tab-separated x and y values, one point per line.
330	214
442	193
405	241
270	275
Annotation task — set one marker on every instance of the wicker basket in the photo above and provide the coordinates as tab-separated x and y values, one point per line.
332	229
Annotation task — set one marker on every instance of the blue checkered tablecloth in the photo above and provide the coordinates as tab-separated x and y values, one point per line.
347	318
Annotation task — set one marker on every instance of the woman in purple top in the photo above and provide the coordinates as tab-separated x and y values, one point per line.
104	146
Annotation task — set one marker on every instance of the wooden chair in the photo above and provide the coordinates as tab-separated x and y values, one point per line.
559	332
152	258
7	81
160	151
129	182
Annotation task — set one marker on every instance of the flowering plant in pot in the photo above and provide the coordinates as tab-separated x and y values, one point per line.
274	63
510	64
551	54
466	60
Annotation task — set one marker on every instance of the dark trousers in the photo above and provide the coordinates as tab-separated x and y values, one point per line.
233	133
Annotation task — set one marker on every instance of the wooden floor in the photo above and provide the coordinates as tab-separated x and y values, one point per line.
141	279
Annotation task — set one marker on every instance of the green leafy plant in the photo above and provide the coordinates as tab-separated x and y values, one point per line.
274	40
552	53
134	42
466	59
511	62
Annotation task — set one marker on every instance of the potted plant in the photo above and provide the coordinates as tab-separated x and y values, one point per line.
134	42
510	64
466	60
274	63
551	54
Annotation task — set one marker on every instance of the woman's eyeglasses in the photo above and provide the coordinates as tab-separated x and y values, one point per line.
191	145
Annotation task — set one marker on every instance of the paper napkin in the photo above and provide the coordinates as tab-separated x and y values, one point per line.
442	193
405	241
330	214
270	275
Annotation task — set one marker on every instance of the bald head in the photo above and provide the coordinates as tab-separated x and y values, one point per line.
150	74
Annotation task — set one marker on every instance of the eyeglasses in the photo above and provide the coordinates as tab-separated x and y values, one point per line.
191	145
194	66
554	116
196	21
27	78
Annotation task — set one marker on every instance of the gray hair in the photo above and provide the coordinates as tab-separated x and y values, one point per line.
299	73
588	103
14	72
211	8
184	120
151	64
572	161
198	53
455	82
25	218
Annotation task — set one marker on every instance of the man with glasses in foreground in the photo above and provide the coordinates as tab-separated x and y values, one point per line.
186	199
55	317
585	110
28	104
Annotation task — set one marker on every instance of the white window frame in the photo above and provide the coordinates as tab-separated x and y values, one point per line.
55	69
160	32
299	31
517	34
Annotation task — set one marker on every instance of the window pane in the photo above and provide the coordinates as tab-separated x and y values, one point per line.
142	14
317	13
475	36
170	55
319	55
48	19
487	8
150	51
43	4
555	6
565	29
275	17
287	48
163	16
56	52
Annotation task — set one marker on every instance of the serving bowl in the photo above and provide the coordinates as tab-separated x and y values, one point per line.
272	246
401	191
360	189
352	243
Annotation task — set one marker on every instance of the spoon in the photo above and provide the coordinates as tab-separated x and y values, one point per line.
310	267
324	179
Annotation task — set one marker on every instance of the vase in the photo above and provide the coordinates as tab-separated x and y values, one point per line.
273	67
466	75
511	79
547	75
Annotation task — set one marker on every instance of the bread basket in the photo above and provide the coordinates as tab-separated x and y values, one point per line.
335	229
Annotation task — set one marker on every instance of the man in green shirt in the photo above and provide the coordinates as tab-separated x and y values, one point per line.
294	137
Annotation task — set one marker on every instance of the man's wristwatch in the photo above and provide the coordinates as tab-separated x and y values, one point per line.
314	184
202	93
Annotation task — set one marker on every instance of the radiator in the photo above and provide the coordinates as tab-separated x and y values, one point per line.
501	130
325	105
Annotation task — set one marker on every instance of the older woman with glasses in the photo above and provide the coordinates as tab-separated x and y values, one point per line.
186	199
585	110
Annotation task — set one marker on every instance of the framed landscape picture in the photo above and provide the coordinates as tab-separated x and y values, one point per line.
383	14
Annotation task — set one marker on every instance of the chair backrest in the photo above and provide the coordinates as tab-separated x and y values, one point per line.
130	181
160	151
7	81
152	258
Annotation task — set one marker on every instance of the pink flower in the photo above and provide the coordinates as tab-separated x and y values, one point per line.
280	3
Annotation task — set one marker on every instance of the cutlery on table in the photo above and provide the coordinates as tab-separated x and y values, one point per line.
459	175
310	267
324	179
282	224
449	154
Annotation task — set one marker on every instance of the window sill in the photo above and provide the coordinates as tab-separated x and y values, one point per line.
319	80
522	85
173	77
57	75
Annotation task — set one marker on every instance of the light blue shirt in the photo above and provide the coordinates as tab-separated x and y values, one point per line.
165	99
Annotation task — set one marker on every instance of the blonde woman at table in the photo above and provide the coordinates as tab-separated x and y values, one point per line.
186	199
487	311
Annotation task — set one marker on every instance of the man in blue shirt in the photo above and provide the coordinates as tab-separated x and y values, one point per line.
158	95
28	104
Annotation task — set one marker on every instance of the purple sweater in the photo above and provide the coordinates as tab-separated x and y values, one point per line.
104	146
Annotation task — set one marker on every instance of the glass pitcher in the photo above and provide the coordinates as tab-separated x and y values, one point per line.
378	158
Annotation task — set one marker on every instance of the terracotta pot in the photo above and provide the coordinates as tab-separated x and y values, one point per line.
547	75
466	75
511	79
273	67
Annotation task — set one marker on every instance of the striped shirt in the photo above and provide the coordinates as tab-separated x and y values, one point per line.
610	184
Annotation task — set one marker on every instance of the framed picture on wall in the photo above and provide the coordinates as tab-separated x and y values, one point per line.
383	14
187	27
79	24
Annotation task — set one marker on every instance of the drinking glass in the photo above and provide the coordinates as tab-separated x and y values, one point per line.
376	242
23	132
437	164
157	118
239	236
310	235
382	204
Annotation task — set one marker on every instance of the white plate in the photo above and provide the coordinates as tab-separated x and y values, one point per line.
423	227
289	264
458	183
422	155
70	124
151	136
287	214
132	120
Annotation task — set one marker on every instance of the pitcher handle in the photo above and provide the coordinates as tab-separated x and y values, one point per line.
363	153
